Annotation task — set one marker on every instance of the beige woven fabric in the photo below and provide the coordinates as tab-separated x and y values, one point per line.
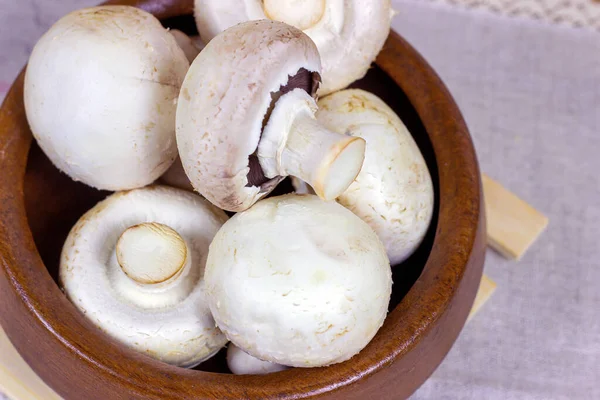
578	13
530	93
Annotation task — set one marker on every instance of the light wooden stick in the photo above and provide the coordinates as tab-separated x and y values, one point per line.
485	291
17	379
512	224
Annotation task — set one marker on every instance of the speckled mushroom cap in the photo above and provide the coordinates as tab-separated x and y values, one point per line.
298	281
100	94
348	33
393	192
223	103
169	321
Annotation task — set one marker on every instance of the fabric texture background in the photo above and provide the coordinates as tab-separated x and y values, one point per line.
530	93
578	13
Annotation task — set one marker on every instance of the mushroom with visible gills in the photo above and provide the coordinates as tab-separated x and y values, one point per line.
134	265
298	281
242	363
245	118
100	95
393	192
348	33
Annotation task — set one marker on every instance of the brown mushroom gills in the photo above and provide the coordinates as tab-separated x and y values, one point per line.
305	80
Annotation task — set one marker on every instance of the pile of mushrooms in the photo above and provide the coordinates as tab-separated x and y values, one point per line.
183	132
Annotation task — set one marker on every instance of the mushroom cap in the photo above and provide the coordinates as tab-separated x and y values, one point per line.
298	281
190	47
100	93
176	177
223	102
301	187
171	321
393	193
242	363
349	34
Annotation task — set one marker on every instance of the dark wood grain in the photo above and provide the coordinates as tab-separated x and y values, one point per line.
433	291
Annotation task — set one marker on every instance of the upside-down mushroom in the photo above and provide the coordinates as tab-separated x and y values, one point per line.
100	95
245	118
134	266
298	281
348	33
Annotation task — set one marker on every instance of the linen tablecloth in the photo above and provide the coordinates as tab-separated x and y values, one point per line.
530	93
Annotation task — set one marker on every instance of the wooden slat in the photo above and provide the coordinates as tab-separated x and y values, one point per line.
512	224
17	379
486	289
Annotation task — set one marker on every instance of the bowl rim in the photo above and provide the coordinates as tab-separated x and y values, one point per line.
28	289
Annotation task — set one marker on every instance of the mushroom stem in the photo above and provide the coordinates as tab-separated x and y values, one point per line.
295	143
302	14
151	253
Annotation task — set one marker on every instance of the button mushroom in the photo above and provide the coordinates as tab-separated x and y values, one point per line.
100	95
191	47
298	281
134	266
176	177
242	363
245	118
393	192
301	187
348	33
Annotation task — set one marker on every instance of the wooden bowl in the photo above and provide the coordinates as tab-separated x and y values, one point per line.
433	290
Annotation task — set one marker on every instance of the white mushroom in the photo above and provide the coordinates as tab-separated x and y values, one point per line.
134	266
393	192
298	281
100	93
301	187
176	177
191	47
245	118
348	33
242	363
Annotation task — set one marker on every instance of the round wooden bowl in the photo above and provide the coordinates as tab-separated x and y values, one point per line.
433	290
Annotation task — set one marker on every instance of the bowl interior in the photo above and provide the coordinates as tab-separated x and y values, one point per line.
54	202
